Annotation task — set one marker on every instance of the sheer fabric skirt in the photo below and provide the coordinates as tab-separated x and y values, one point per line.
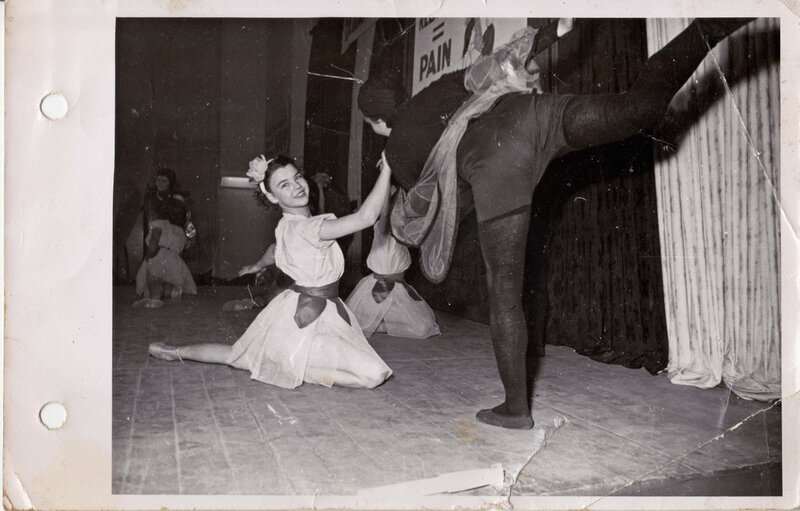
276	351
402	315
168	267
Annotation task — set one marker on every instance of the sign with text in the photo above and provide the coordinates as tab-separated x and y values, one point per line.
444	45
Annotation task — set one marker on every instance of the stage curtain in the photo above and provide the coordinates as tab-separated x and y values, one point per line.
718	210
593	274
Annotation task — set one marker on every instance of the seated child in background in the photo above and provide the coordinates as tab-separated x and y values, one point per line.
163	272
383	302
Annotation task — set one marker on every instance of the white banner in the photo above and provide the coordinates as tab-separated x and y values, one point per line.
444	45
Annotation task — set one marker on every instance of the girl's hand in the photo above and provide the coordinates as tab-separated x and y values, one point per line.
253	268
191	230
383	164
367	214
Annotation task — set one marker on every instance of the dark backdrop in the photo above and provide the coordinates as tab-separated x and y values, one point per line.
202	96
167	109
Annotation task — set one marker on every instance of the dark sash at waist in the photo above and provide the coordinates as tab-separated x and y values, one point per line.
328	291
391	277
313	300
384	283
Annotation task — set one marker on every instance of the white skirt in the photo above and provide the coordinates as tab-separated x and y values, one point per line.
168	266
402	315
276	351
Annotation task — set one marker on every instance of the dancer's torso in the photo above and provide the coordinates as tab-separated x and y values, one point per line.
301	254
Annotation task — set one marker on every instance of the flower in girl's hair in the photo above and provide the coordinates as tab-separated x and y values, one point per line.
258	167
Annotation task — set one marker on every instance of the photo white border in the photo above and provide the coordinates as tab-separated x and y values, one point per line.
58	243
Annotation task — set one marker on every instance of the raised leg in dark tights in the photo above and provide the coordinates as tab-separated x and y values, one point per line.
587	121
603	118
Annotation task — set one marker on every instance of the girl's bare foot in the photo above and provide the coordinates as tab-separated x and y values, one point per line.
164	351
148	303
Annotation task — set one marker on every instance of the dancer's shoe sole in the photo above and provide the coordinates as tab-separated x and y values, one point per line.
492	418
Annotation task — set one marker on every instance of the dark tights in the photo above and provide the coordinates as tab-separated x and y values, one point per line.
502	243
603	118
588	120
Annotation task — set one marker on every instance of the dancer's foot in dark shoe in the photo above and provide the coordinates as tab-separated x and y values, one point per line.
499	416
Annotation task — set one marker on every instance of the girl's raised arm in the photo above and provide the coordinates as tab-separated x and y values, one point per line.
384	224
268	259
366	215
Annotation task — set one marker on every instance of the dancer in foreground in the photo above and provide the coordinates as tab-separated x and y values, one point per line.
383	302
306	333
502	155
277	281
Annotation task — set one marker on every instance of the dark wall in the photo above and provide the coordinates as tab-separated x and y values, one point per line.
255	105
255	74
328	110
203	97
328	102
167	115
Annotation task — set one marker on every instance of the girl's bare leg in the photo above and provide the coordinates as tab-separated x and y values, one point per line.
343	365
210	353
155	287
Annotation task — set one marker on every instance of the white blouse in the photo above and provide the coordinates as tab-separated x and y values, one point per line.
302	255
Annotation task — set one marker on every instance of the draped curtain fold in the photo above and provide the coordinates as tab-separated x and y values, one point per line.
593	268
717	171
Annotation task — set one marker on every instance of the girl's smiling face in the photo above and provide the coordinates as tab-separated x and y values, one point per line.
288	189
162	184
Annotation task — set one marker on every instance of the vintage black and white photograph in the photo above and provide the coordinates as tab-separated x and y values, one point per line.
499	257
401	255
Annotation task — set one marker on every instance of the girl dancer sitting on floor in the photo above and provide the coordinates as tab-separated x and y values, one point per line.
277	281
306	333
163	272
382	301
